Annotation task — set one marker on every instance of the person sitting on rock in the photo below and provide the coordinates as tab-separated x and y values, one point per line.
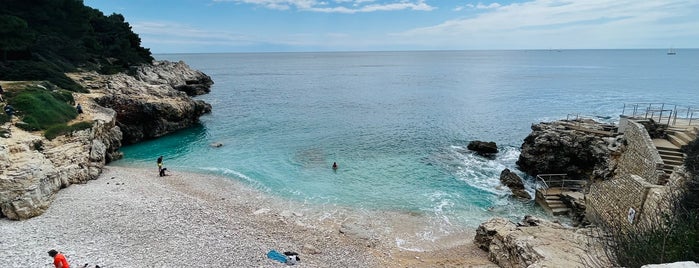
9	110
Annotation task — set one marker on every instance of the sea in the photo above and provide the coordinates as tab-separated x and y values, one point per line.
398	123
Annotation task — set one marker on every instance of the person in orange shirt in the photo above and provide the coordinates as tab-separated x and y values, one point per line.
58	259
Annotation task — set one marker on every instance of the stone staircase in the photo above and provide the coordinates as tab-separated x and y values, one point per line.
550	200
670	149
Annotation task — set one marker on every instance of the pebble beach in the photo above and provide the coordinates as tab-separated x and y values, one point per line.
130	217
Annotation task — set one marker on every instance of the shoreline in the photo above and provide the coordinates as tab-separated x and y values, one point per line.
131	217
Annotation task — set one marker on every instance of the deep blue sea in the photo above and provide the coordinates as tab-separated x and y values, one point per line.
397	123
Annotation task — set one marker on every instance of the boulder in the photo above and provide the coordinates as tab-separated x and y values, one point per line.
483	148
557	148
514	182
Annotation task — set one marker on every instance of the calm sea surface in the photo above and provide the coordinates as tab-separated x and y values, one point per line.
397	123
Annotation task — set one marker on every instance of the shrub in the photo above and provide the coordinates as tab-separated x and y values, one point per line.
62	129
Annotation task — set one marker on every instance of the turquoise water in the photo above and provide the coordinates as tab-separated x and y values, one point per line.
397	123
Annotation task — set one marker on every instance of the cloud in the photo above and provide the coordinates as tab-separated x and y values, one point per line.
338	6
176	33
563	24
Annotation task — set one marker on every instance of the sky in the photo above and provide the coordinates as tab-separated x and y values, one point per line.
201	26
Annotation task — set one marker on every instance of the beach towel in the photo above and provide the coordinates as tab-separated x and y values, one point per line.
275	255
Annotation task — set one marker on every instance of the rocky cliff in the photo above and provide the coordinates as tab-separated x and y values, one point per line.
152	102
582	149
125	108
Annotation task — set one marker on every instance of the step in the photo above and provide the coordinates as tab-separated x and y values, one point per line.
663	151
552	197
676	141
672	162
684	136
560	211
674	148
666	157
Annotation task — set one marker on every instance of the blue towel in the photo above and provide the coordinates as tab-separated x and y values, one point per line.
273	254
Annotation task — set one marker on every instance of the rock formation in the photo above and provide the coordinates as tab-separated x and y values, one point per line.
514	182
483	148
32	168
580	149
149	104
538	243
121	108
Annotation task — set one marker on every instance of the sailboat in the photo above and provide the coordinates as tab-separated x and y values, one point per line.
671	51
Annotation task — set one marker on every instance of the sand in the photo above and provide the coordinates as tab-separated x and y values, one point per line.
130	217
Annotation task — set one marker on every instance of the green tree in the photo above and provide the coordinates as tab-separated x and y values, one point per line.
15	35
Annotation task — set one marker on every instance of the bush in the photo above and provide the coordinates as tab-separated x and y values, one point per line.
62	129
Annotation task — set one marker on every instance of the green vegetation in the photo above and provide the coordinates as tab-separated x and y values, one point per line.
41	108
43	39
62	129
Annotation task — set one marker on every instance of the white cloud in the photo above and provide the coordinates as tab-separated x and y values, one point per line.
563	24
340	6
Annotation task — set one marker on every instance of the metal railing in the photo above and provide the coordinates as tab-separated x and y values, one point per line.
546	181
662	113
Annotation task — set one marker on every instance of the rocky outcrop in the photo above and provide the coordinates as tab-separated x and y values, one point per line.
149	104
33	169
176	74
483	147
581	149
514	182
538	243
121	108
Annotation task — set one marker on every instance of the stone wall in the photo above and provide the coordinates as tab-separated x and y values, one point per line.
611	200
640	156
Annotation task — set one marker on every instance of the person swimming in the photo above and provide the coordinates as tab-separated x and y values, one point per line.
334	165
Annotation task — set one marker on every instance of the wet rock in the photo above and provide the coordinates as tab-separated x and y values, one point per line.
514	182
483	148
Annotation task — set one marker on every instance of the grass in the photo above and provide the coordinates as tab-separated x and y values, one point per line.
63	129
40	108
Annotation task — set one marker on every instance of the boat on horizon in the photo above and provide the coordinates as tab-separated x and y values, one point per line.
671	51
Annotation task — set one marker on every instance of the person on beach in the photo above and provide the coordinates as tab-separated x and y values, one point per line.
58	259
160	164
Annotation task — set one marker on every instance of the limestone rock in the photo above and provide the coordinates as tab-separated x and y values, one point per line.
176	74
514	182
152	102
483	148
537	243
122	108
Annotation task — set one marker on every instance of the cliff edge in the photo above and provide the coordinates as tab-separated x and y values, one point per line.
152	102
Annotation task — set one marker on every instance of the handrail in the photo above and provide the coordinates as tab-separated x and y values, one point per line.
658	110
558	180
